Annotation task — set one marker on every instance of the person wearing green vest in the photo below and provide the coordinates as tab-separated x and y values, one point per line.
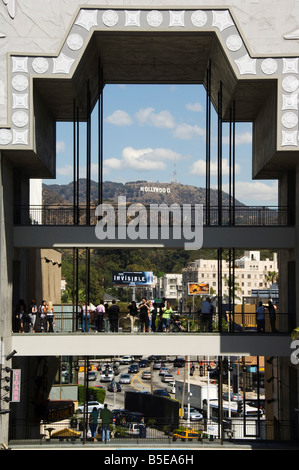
106	417
167	311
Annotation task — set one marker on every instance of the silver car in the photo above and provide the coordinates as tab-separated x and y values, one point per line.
124	379
194	414
91	406
107	376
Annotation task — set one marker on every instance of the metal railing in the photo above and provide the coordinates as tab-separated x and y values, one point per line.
67	320
76	431
52	214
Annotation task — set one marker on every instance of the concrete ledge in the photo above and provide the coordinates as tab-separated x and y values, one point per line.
119	344
41	236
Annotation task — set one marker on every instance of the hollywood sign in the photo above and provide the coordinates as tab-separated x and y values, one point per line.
154	189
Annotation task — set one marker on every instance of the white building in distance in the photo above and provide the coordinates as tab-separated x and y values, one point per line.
170	287
251	273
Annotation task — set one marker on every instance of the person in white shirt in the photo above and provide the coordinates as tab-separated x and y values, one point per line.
206	315
100	311
85	317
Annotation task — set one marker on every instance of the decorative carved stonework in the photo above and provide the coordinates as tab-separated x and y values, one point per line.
11	7
22	67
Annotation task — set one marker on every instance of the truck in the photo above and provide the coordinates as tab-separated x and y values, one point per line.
198	393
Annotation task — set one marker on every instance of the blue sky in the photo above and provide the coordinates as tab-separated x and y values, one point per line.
151	130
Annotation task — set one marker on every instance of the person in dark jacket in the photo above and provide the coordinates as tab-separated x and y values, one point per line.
113	313
133	312
272	315
106	417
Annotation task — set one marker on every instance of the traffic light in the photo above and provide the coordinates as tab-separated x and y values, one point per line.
240	407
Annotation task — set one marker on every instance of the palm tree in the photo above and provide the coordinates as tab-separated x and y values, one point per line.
233	288
272	277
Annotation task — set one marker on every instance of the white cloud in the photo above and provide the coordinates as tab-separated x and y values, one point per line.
60	146
257	191
162	120
199	168
113	164
141	159
188	132
119	118
196	107
66	170
244	138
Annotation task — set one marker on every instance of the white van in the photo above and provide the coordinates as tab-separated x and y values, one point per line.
132	429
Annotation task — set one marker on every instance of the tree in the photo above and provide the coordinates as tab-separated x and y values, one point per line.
233	288
272	277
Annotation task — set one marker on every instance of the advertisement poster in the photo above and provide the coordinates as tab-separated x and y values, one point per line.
198	289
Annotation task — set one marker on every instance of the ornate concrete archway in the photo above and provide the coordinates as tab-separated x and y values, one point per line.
151	46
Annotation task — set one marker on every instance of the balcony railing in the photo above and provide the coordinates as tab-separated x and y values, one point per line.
52	214
75	431
68	320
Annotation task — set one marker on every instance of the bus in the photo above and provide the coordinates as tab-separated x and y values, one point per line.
232	410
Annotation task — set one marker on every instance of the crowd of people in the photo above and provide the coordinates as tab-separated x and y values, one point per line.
150	315
34	318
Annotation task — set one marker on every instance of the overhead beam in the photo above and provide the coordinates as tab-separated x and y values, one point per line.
39	236
119	344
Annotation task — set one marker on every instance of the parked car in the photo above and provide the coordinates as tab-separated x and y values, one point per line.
167	378
121	416
107	376
194	415
114	387
146	375
132	429
126	360
91	406
161	393
124	379
133	416
133	369
92	375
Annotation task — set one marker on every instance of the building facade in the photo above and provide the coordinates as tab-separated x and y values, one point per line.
169	286
251	273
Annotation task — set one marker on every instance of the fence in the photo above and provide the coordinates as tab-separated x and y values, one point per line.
67	320
77	215
75	431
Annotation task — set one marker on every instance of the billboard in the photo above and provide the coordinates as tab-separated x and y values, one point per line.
128	278
198	289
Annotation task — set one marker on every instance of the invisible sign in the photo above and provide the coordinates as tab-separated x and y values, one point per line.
128	278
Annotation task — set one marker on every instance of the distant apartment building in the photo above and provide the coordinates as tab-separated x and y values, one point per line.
251	273
170	287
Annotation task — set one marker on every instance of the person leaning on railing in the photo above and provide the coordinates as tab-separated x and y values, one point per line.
260	318
167	312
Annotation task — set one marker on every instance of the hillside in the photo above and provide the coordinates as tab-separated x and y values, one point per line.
138	191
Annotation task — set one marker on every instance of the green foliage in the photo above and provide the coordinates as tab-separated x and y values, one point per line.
295	334
104	261
95	394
